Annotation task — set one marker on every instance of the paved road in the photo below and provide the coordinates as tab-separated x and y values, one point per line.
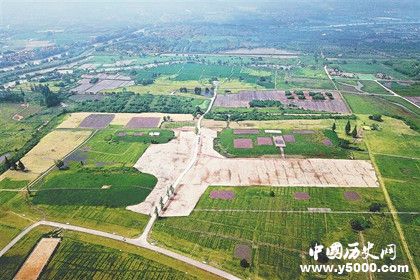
139	242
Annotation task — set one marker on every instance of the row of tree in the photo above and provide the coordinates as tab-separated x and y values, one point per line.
14	165
347	129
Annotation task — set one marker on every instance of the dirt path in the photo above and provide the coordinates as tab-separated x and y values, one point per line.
397	95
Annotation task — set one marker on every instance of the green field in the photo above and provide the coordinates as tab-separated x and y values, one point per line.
14	134
373	87
280	241
86	256
103	258
404	89
12	184
367	67
307	145
282	198
94	187
16	256
380	105
106	148
103	218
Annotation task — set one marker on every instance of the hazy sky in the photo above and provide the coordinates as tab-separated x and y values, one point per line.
50	13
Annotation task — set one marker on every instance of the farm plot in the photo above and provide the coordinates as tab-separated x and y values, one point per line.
373	87
90	257
14	134
280	242
301	143
92	84
97	121
414	99
100	260
54	146
13	259
38	259
117	147
243	98
289	198
143	122
94	187
73	120
404	89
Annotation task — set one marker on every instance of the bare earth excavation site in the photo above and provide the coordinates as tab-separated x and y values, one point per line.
213	169
256	140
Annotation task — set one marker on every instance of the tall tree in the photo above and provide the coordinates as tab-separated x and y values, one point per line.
7	163
333	127
354	132
21	165
348	128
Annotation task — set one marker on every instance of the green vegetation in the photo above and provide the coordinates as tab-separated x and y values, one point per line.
263	114
138	103
16	256
118	220
282	198
94	187
404	89
12	184
19	137
264	103
96	253
307	145
380	105
280	241
107	148
373	87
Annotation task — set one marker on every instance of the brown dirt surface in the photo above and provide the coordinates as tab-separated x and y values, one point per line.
245	131
97	121
301	196
38	259
243	251
166	162
242	99
143	122
351	196
242	143
261	141
211	168
73	120
53	146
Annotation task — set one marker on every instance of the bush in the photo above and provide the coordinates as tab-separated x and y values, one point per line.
360	224
376	117
244	263
375	207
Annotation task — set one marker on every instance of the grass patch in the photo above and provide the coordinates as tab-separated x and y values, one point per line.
7	183
16	256
282	198
86	187
307	145
104	258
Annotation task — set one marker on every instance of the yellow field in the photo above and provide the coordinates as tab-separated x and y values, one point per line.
275	124
235	85
164	86
73	120
55	145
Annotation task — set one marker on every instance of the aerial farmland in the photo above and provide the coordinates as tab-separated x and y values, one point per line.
229	140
